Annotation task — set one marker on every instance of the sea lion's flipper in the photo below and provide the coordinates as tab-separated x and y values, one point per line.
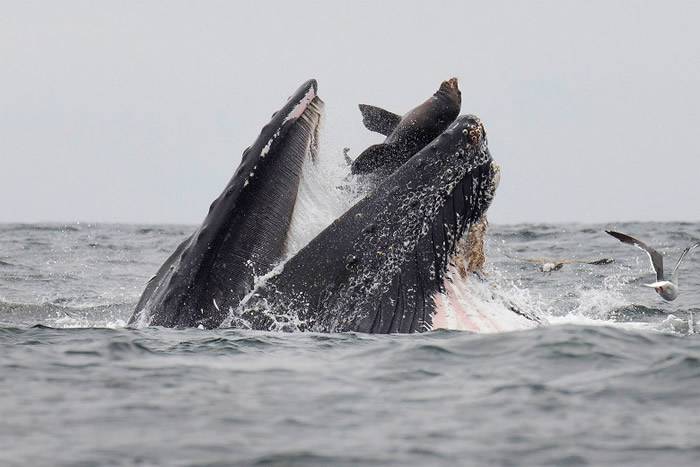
657	261
379	120
373	158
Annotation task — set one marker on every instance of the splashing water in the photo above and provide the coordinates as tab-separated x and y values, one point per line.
91	275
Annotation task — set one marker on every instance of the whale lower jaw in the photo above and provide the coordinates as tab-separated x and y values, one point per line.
244	233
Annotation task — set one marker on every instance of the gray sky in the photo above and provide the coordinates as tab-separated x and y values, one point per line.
138	111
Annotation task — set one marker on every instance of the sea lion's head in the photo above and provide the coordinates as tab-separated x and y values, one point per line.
451	88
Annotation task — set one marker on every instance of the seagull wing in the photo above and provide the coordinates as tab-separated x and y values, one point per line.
688	249
598	262
528	260
536	260
657	261
595	262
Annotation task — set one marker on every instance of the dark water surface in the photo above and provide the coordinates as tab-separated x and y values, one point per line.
614	380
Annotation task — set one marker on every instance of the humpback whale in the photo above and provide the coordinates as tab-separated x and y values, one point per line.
406	135
391	263
244	234
385	266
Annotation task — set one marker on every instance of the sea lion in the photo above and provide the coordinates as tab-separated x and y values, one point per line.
406	135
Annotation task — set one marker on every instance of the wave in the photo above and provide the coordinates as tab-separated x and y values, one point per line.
42	227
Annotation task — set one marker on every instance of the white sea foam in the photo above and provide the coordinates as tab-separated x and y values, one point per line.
76	320
324	195
470	304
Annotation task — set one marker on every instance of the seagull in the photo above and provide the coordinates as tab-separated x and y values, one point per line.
549	265
667	289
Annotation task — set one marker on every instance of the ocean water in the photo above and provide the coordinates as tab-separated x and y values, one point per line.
612	379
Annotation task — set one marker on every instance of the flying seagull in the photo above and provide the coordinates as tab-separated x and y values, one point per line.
549	265
667	289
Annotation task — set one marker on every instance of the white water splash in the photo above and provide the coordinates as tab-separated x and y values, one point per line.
324	195
602	302
484	306
74	320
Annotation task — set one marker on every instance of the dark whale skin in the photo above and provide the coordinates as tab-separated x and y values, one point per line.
244	233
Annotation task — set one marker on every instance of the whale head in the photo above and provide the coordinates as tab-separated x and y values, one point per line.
380	265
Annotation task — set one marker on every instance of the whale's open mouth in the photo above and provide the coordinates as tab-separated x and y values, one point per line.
382	267
379	267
